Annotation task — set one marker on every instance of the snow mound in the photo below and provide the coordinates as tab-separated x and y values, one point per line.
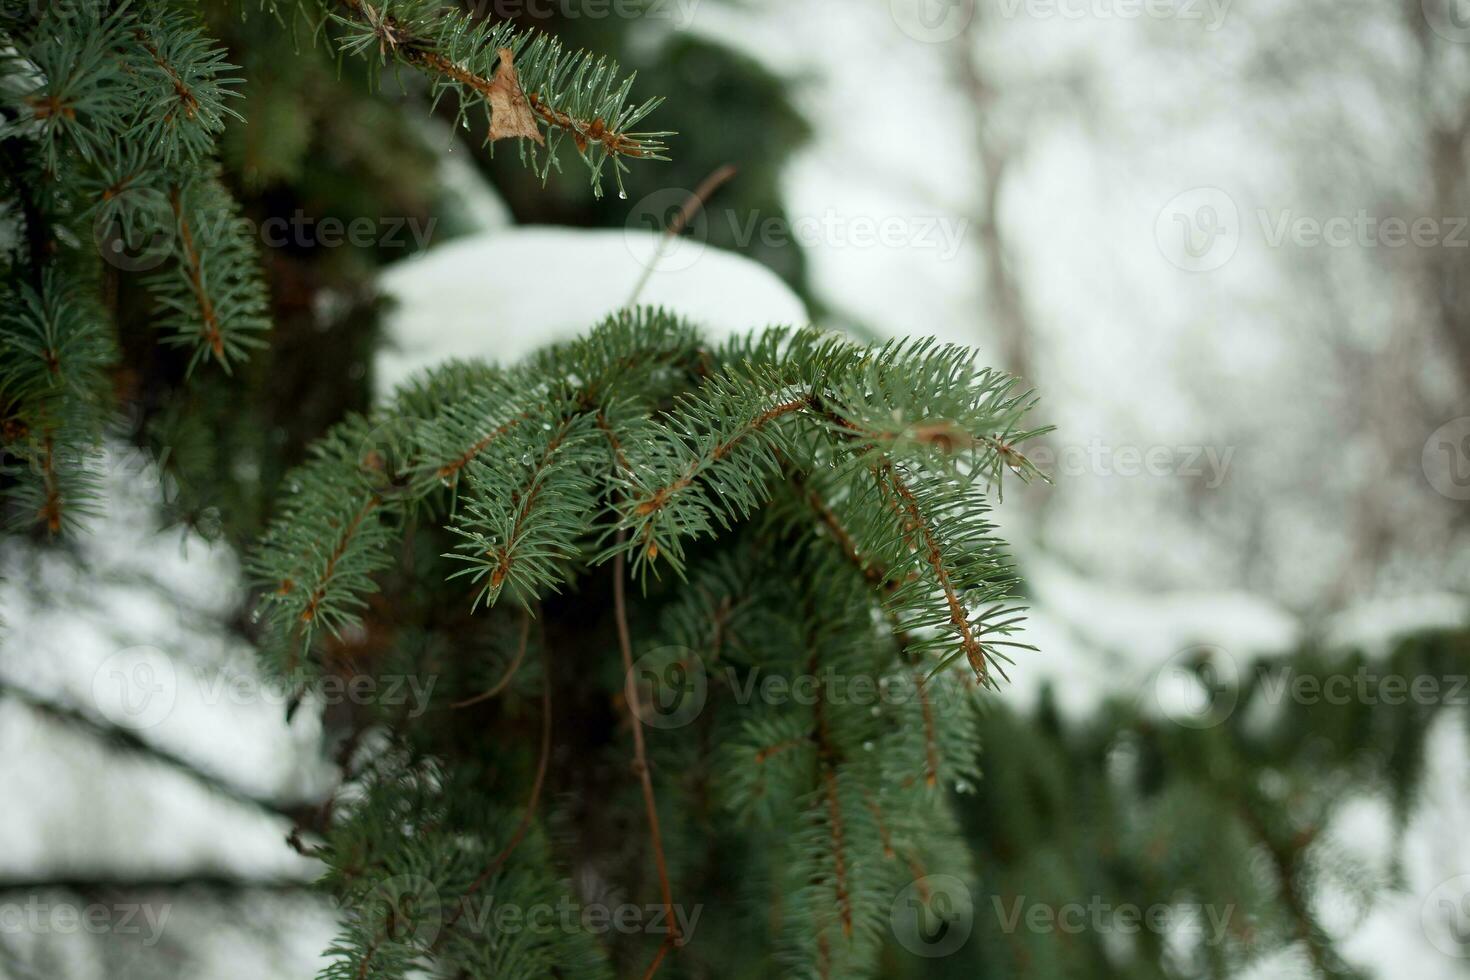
503	294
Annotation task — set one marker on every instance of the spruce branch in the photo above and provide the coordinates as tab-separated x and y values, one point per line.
529	452
830	474
528	501
212	292
54	358
529	86
122	106
185	87
925	538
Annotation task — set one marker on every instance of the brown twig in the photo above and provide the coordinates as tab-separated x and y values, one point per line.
640	754
510	671
931	746
658	958
839	847
50	511
313	603
699	197
394	35
530	812
453	467
695	201
959	618
659	497
194	272
828	757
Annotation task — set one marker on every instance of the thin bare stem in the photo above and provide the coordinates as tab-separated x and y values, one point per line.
658	958
525	823
640	754
697	199
510	671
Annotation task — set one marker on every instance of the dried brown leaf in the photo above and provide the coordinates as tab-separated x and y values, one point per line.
510	112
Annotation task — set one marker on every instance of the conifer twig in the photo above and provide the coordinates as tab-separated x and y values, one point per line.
510	671
827	758
194	272
640	754
503	91
931	747
697	199
934	555
660	496
531	803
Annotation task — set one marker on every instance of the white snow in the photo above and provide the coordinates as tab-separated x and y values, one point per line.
130	632
503	294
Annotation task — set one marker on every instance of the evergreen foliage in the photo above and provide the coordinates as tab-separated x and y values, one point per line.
110	116
764	571
801	509
549	95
